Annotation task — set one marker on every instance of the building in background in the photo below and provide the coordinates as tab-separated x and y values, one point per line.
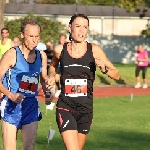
117	31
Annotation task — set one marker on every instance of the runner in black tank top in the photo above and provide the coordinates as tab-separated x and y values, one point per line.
77	76
78	59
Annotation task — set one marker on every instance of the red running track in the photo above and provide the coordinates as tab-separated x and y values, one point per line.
111	91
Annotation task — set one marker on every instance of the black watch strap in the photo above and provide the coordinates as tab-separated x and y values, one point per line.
106	70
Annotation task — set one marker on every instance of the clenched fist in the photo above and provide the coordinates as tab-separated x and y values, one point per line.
17	97
100	63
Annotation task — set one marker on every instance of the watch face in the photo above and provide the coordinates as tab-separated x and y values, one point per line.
106	70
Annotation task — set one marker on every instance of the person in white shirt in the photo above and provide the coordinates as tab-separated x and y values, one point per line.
41	46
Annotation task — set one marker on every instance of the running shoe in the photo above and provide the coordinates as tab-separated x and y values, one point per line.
145	86
138	85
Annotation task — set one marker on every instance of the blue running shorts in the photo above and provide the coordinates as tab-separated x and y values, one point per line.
20	114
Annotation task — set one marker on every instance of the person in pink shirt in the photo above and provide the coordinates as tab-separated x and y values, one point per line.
142	64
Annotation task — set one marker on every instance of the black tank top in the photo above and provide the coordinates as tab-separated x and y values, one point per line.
77	77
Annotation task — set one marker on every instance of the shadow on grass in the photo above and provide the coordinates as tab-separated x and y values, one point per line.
118	140
55	144
103	80
102	140
106	82
121	81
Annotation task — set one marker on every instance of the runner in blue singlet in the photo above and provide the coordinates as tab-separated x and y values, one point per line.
21	67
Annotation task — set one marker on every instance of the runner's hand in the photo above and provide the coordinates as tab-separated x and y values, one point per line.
48	97
100	63
50	82
17	97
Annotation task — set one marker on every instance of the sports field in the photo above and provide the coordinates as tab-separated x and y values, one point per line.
119	123
121	117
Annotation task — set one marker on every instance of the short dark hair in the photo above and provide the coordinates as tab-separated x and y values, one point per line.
62	34
78	15
30	22
4	29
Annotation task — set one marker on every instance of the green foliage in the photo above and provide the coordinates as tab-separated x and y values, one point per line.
54	1
133	6
50	29
129	5
80	2
127	76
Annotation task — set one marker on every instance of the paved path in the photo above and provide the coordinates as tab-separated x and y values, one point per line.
112	91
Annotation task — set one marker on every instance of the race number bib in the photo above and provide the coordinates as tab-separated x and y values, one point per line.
28	84
75	87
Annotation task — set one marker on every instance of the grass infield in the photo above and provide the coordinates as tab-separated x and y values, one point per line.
119	123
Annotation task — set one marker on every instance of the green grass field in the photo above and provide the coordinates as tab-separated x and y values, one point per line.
127	76
119	123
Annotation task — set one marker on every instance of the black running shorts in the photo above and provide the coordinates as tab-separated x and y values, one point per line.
66	120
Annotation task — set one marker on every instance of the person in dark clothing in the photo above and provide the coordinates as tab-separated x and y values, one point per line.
62	41
49	53
78	60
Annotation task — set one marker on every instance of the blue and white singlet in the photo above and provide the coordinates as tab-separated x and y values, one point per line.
22	78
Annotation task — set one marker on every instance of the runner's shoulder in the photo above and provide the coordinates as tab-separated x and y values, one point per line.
58	48
10	53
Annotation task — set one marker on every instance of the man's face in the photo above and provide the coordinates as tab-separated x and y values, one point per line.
16	41
5	34
31	36
62	40
49	45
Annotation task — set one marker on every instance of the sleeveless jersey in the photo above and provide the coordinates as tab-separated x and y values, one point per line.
24	76
4	48
77	77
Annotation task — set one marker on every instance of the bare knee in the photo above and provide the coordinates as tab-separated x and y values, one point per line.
70	139
82	139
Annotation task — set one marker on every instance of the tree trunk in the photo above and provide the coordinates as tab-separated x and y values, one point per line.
2	4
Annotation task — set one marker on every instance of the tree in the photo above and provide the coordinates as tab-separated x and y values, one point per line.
50	29
2	5
54	1
140	6
133	5
80	2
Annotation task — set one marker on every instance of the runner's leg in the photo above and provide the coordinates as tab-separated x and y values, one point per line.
70	139
9	136
29	132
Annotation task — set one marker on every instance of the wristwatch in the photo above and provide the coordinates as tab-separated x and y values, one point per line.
106	70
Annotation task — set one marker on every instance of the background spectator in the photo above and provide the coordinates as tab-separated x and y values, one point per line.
142	63
16	41
5	42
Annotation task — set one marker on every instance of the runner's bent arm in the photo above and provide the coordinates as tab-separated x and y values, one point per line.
54	63
103	62
5	65
43	74
55	59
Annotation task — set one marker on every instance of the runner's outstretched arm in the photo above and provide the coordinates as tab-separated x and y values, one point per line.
104	63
